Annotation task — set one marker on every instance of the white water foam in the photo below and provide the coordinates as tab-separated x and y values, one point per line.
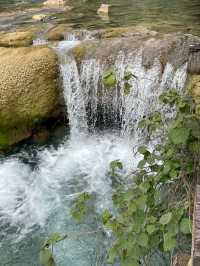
42	196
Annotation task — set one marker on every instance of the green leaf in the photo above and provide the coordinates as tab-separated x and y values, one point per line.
141	164
167	168
172	228
127	88
113	254
46	257
186	226
143	240
129	75
114	165
179	135
165	218
54	238
132	207
169	97
143	150
151	228
156	117
109	78
169	242
141	201
106	216
145	187
80	207
142	123
194	147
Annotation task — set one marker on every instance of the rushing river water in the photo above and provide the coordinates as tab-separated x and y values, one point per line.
38	185
37	190
160	14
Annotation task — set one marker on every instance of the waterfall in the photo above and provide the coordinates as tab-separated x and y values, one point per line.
73	95
72	89
91	104
38	187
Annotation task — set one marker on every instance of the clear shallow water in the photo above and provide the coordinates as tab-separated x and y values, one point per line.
12	4
171	15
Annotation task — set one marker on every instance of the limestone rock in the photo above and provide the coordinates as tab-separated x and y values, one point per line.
54	3
104	8
181	260
172	48
16	39
57	33
39	17
29	93
195	87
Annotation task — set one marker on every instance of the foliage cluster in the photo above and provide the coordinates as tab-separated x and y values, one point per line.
154	210
153	207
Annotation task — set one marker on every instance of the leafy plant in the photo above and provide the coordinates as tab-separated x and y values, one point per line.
109	79
46	252
128	75
153	211
114	166
81	206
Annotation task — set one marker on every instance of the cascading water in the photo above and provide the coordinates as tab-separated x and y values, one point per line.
37	189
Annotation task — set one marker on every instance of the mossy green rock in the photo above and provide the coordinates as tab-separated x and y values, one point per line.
29	92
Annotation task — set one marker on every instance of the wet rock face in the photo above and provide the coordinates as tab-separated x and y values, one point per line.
29	91
173	48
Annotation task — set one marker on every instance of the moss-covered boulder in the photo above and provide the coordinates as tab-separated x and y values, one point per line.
29	93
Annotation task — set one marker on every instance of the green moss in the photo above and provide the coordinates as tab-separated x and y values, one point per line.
9	136
4	141
114	32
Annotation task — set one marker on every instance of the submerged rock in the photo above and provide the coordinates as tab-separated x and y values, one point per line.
29	93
